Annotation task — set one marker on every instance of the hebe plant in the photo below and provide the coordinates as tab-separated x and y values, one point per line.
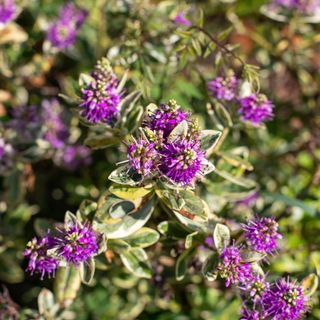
157	203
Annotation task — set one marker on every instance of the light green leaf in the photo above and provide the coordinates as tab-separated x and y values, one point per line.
87	270
209	139
136	261
310	284
221	236
189	239
182	263
144	237
125	175
128	192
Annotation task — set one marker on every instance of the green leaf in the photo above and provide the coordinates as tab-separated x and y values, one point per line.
250	256
310	284
243	182
10	271
87	208
144	237
129	224
221	236
87	270
119	209
182	263
66	284
125	175
127	103
189	239
136	261
209	267
118	245
292	202
70	219
46	303
129	193
209	139
179	132
223	115
236	161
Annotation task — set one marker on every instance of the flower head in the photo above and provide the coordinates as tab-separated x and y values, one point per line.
62	33
7	11
262	234
255	108
224	88
180	18
56	132
73	157
142	156
39	260
231	267
77	243
284	301
181	161
248	314
100	98
166	118
255	287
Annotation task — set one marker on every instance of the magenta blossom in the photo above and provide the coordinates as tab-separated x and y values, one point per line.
7	11
181	19
284	301
262	234
255	109
224	88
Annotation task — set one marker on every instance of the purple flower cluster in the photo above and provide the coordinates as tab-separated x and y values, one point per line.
39	259
281	300
284	300
7	11
301	6
231	268
181	19
163	152
73	157
74	244
62	33
255	108
100	97
262	234
224	88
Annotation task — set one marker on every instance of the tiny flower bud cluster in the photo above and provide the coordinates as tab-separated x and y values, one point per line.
255	108
74	244
100	97
62	33
165	151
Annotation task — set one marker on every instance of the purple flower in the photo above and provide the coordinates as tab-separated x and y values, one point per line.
224	88
301	6
231	268
71	14
39	260
26	123
77	243
255	287
284	301
62	33
262	234
73	157
56	132
166	118
142	156
181	19
248	314
7	11
181	161
255	108
7	154
100	98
